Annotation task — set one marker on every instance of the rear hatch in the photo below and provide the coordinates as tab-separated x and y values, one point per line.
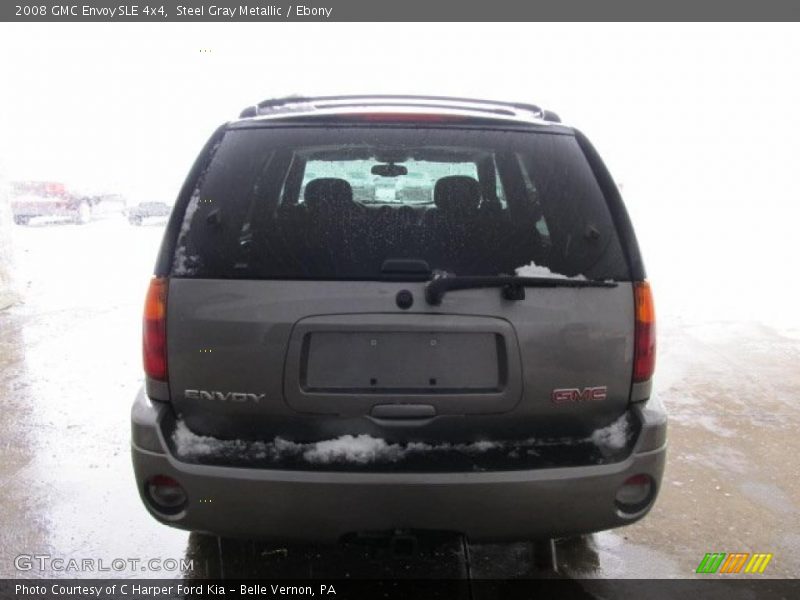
306	301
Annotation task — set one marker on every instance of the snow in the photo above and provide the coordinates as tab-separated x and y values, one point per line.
294	104
482	446
534	270
614	436
359	450
183	263
364	449
188	443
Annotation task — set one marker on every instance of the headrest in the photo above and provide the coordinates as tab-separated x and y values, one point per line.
328	192
457	193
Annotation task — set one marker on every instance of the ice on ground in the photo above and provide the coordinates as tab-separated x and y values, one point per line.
534	270
613	436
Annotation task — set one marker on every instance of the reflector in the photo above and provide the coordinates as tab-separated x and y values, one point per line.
165	493
635	493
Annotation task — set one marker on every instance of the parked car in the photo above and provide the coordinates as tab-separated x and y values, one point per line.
138	213
318	367
31	199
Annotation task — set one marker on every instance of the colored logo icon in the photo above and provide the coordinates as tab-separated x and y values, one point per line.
735	562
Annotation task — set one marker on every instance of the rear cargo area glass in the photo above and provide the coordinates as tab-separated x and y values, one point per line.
334	203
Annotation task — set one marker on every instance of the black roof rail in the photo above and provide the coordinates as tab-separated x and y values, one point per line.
502	107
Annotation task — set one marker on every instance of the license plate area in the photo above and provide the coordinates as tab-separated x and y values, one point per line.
348	364
398	362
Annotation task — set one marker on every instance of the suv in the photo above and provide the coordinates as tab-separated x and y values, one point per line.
475	359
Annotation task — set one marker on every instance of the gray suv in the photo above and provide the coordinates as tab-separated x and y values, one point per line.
392	313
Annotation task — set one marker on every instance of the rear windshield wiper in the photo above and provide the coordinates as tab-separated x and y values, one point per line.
513	288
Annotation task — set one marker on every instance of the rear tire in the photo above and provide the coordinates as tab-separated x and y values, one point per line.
21	219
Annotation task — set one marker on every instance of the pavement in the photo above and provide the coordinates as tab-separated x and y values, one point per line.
70	366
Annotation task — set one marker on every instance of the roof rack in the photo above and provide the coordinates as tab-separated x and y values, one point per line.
306	103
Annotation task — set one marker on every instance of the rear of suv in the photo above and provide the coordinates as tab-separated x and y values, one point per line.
386	313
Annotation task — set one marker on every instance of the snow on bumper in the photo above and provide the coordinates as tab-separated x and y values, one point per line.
324	506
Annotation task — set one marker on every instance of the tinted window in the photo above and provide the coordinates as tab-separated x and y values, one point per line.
328	203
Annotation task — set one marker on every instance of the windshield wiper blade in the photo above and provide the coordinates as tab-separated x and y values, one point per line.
513	288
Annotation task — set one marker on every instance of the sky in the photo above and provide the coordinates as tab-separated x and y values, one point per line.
699	123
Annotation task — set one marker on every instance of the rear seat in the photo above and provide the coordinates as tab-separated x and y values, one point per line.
331	231
450	228
335	223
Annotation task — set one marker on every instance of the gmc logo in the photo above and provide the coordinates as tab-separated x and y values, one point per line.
563	395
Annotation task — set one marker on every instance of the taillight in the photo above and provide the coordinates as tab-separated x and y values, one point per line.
154	333
644	344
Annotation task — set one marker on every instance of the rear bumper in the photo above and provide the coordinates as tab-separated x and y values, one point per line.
324	506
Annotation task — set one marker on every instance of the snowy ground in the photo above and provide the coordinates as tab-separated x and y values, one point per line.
70	366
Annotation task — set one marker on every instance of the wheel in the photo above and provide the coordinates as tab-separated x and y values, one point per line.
135	220
84	213
21	219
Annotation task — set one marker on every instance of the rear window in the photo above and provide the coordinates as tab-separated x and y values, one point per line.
416	185
336	203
